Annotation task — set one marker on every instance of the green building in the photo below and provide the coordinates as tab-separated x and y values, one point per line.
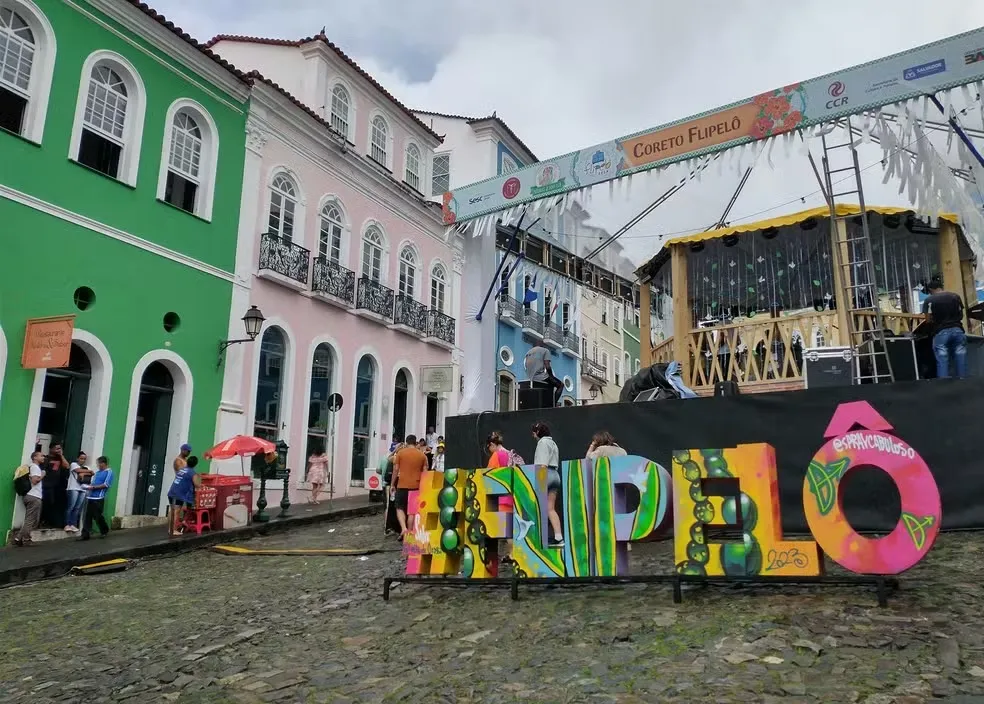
122	146
631	348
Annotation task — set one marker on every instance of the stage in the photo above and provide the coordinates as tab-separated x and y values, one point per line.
939	419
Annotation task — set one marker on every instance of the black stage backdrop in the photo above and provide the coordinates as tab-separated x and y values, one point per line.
940	419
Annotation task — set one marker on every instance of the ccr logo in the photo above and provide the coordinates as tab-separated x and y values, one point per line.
836	92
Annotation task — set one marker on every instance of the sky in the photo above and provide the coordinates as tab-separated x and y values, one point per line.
566	74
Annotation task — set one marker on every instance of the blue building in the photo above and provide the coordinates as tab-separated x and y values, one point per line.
537	300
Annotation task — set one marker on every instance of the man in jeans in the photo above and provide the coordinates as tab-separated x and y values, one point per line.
945	311
96	501
32	502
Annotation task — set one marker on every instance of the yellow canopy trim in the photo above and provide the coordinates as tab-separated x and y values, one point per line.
793	219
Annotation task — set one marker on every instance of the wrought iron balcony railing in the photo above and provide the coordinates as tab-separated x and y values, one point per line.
440	326
594	369
572	342
554	333
532	320
334	280
281	256
372	296
511	307
411	313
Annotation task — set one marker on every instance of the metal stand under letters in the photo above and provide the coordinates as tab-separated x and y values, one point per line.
331	459
883	585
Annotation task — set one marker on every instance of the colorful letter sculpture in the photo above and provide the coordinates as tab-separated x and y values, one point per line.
871	446
748	471
459	518
597	524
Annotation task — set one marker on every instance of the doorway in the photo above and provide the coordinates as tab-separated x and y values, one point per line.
150	438
362	432
433	413
401	396
64	402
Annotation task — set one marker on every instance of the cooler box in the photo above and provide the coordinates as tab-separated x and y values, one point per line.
234	500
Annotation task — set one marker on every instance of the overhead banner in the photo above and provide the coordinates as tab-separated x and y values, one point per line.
925	70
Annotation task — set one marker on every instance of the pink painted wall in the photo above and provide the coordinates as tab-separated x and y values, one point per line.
307	320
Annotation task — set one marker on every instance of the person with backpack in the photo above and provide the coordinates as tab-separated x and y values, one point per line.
28	486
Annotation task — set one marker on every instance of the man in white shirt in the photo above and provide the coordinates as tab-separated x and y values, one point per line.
32	502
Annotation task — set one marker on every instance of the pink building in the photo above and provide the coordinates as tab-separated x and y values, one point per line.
347	260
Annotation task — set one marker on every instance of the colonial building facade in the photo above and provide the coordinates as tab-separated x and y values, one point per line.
132	237
347	259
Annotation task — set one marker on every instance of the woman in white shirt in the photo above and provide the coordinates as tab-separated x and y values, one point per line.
547	455
604	445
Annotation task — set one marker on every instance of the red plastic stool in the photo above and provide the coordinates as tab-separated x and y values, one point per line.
199	518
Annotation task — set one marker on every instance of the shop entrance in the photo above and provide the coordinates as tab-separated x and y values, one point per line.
63	404
433	412
401	396
150	438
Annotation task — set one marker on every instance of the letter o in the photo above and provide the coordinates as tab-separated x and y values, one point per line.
918	525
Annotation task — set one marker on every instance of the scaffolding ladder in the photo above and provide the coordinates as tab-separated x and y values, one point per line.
852	256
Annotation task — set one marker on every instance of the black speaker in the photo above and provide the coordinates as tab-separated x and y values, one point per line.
726	388
530	399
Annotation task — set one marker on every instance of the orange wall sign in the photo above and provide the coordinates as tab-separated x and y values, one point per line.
48	342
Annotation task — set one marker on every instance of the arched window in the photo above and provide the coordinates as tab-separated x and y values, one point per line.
379	140
412	176
270	384
17	48
362	430
408	272
322	370
505	393
283	207
184	162
330	241
628	365
341	106
638	366
27	62
372	254
439	283
111	119
401	404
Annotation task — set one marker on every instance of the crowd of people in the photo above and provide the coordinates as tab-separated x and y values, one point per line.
62	494
408	459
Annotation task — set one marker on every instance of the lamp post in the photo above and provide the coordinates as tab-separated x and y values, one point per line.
253	321
593	391
284	472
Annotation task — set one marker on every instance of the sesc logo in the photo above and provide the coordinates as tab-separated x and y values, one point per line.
836	92
972	57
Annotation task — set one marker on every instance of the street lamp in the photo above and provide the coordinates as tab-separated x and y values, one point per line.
253	320
594	392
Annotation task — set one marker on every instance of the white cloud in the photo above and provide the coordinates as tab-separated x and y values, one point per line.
565	74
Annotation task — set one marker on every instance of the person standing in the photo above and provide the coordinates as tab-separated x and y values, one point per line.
181	461
540	371
604	445
431	438
945	311
78	475
32	502
181	495
438	462
55	488
317	472
547	455
408	464
96	500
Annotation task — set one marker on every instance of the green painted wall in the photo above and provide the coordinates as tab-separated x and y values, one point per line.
630	343
49	257
45	172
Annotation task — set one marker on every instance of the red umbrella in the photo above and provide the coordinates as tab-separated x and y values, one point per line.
240	446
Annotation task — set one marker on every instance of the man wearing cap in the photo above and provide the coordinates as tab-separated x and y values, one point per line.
181	461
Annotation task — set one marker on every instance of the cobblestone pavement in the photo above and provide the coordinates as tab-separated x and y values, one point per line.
204	627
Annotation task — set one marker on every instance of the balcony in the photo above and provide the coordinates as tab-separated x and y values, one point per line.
553	335
283	261
511	312
572	345
333	283
409	315
440	329
374	301
532	323
595	371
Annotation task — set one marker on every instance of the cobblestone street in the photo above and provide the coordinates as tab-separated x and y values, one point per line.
205	627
